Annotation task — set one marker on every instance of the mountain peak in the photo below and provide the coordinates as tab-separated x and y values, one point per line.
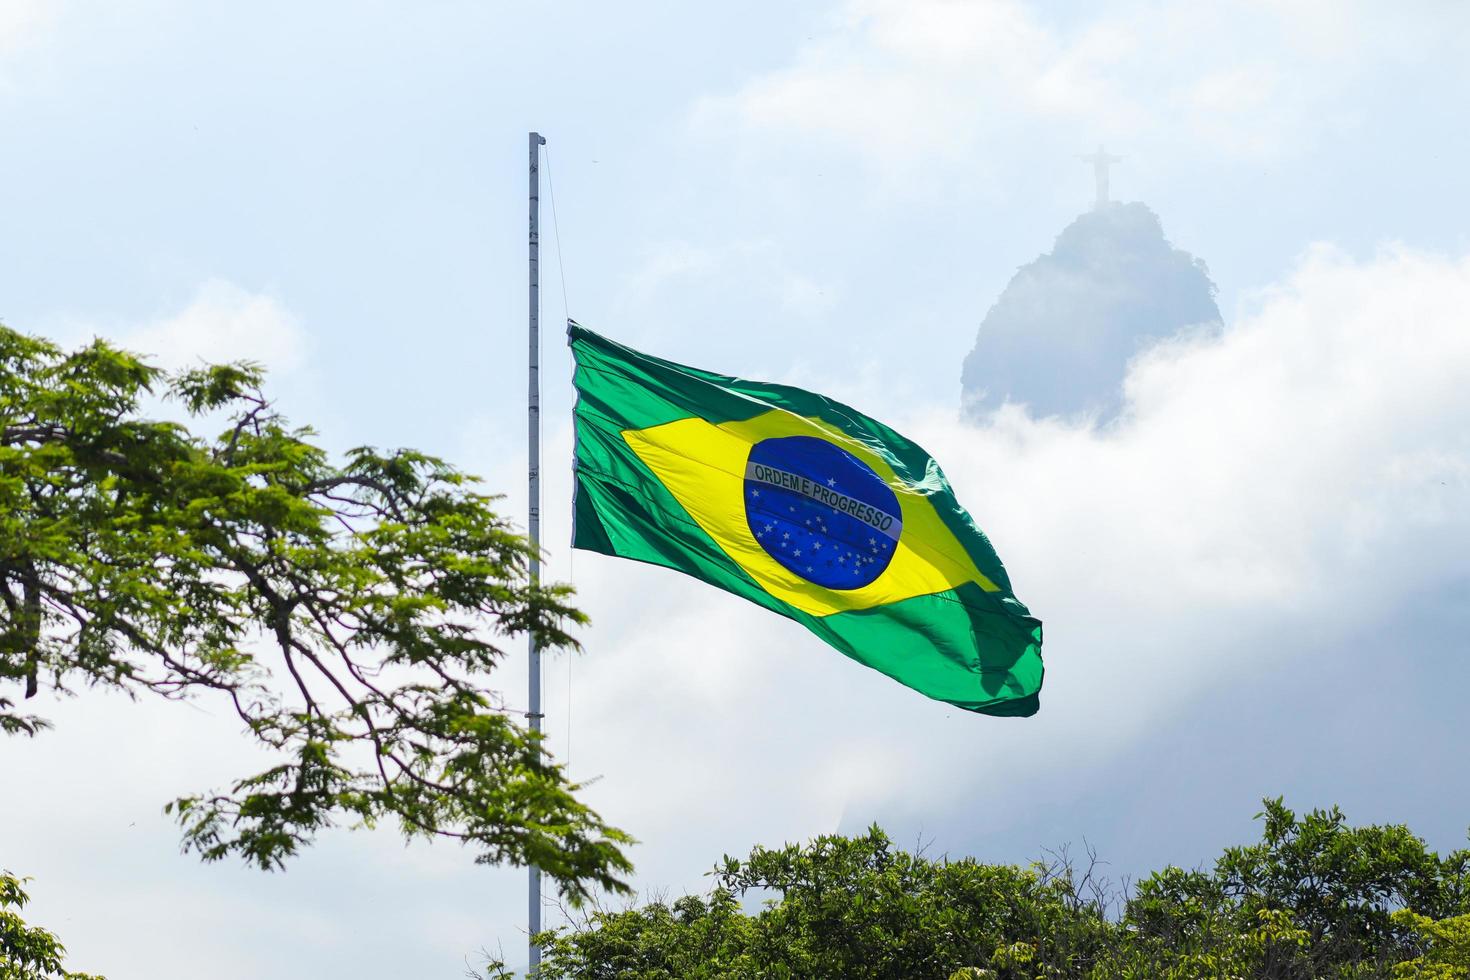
1061	334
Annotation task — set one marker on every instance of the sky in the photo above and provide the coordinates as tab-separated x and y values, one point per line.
1253	580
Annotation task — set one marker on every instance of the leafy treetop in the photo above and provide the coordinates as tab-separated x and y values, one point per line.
28	952
1315	898
348	612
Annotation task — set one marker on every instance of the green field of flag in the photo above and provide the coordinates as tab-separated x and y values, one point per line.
806	507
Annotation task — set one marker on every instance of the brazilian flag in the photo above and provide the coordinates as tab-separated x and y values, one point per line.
804	506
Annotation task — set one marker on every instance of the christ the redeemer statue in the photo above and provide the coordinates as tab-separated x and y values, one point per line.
1100	161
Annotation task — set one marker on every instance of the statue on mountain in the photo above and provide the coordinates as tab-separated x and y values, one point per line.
1061	334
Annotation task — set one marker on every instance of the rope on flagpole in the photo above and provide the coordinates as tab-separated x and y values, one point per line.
566	316
556	230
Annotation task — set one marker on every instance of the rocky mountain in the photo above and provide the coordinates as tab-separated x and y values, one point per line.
1060	336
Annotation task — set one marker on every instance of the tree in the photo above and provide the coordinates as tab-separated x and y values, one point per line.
844	908
349	612
1314	899
1448	954
27	952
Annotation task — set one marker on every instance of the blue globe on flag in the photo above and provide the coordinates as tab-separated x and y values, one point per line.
820	512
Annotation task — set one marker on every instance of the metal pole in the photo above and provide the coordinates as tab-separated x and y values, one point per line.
533	437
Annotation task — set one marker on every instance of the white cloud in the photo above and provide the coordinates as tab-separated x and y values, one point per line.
223	322
679	282
1268	491
22	20
909	84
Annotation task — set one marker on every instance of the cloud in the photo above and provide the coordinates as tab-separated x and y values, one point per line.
1268	492
681	295
759	268
223	322
22	20
911	84
1283	486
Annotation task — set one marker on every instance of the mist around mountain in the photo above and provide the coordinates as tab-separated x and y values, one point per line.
1300	668
1061	334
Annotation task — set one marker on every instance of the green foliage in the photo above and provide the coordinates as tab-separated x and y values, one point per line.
843	908
1448	953
28	952
349	613
1315	898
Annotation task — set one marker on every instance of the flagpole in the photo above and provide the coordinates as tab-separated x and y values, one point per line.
533	438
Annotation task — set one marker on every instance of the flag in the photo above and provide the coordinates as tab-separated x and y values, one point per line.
806	507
